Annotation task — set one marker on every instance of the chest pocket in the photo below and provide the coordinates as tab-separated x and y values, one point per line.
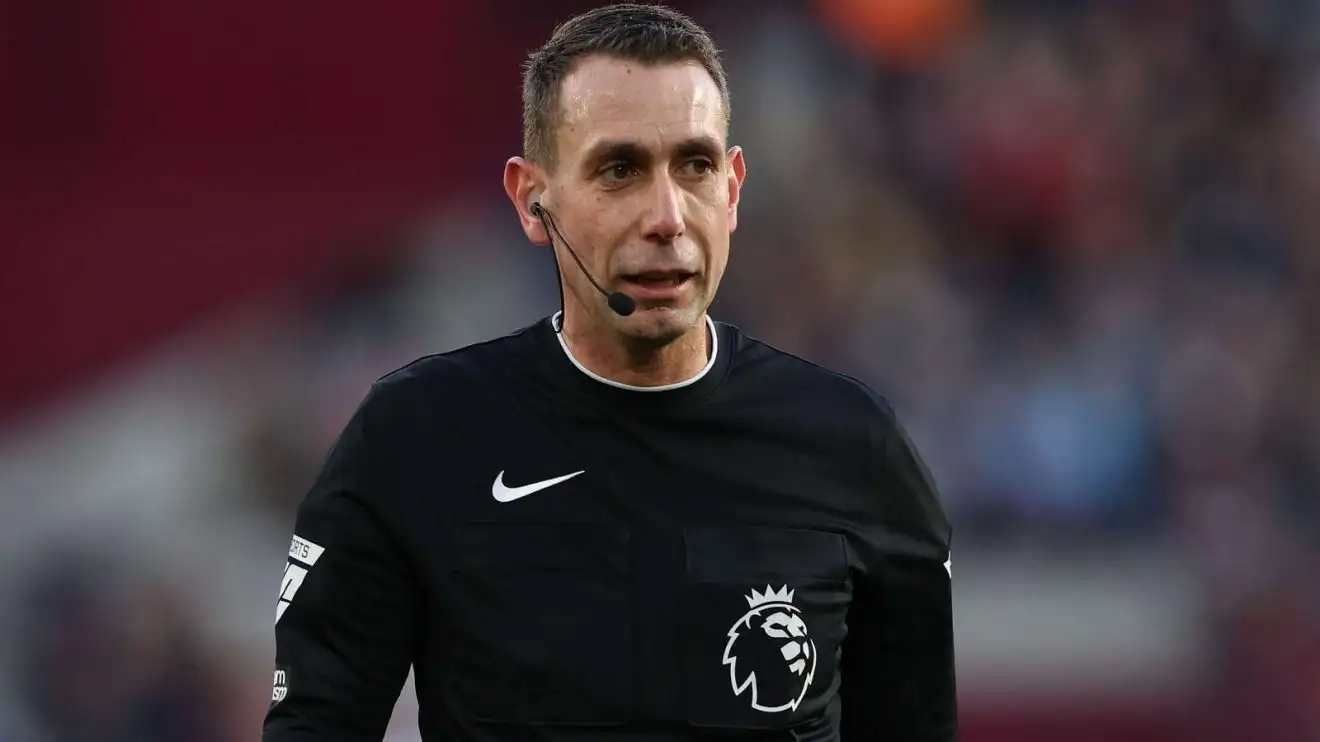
764	611
542	615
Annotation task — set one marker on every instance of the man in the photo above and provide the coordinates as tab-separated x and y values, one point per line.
626	521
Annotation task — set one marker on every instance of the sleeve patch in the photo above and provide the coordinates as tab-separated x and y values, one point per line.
280	688
303	555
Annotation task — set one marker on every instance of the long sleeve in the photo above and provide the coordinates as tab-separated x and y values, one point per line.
897	669
346	617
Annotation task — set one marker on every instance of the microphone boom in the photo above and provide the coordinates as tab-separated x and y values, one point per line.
619	302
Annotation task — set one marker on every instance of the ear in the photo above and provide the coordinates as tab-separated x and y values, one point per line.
524	183
736	175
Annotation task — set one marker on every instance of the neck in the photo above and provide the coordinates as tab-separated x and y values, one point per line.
637	363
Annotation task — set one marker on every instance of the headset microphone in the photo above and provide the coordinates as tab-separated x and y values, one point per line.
622	304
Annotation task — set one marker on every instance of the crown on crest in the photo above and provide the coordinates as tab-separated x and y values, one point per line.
782	595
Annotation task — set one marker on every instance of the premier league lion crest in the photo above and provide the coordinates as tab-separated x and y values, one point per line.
769	652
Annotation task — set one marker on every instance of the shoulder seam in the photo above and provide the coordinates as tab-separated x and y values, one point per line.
880	400
449	355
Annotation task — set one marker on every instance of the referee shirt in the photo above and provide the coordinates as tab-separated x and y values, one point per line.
756	554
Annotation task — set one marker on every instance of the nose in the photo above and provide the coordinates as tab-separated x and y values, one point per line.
663	220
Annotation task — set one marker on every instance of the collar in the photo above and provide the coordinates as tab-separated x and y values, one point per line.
579	388
710	362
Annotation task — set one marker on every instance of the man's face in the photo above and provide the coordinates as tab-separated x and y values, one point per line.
645	191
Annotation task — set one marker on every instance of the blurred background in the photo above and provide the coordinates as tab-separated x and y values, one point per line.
1075	242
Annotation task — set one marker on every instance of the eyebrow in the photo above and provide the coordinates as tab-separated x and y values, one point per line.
625	150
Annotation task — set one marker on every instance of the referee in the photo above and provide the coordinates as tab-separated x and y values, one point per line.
626	521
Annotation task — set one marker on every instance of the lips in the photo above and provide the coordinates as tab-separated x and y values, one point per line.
659	278
657	285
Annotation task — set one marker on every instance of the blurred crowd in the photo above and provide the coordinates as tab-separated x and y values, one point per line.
1075	243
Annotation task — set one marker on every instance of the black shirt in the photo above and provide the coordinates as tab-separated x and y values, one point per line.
756	555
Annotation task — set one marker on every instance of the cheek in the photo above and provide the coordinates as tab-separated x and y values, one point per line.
718	256
713	219
712	213
598	233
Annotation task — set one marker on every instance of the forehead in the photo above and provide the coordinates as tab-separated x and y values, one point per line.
604	98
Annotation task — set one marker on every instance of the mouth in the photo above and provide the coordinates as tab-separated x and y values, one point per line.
657	285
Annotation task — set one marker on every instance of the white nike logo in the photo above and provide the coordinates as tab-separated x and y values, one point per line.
504	493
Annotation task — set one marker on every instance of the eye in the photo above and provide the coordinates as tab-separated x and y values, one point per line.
618	172
699	166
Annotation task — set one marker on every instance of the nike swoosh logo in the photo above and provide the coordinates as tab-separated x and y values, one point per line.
504	493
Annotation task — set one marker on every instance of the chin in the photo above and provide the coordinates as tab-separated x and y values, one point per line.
658	326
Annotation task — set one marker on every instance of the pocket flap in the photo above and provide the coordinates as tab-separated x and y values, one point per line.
722	553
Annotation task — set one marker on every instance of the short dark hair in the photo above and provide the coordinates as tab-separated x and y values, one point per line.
650	34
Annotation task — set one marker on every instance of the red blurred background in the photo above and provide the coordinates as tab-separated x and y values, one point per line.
165	160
